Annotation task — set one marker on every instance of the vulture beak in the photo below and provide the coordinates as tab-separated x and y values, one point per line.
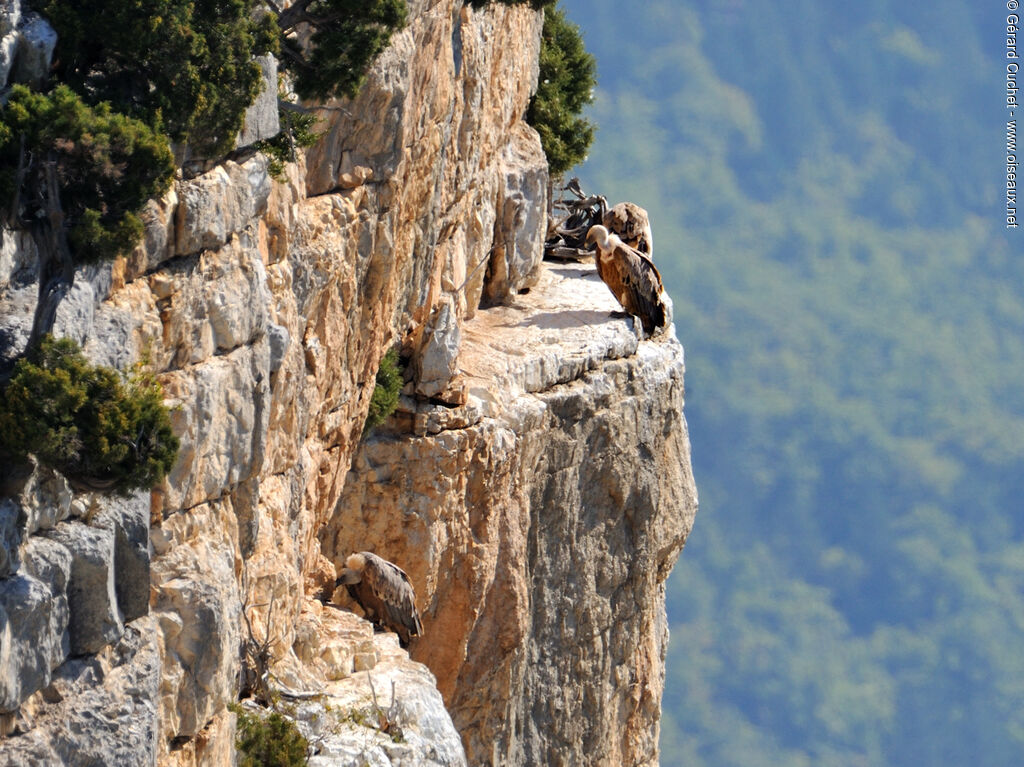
348	577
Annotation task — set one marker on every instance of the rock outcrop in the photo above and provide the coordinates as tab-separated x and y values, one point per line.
543	518
27	42
535	482
383	709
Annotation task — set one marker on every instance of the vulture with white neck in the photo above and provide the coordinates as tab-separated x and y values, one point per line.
384	592
632	278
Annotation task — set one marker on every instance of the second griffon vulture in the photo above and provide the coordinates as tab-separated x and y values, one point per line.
633	226
384	592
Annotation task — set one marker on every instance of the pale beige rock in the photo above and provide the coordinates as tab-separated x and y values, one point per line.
33	622
17	256
261	118
197	608
158	238
214	746
522	221
10	15
220	415
386	690
212	303
437	362
45	498
95	618
213	206
33	51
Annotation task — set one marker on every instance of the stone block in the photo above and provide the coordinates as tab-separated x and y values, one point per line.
521	223
220	203
199	612
261	118
222	424
438	360
34	50
98	710
95	619
158	218
33	622
129	520
10	15
212	303
279	341
18	260
45	499
77	309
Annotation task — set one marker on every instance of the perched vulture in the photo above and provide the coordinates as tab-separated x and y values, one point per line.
631	224
384	592
632	278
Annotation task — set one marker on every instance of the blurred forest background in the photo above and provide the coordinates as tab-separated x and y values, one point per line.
826	184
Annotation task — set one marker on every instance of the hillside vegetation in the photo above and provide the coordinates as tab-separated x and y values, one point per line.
825	186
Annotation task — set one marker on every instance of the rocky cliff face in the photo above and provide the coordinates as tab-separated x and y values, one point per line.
535	484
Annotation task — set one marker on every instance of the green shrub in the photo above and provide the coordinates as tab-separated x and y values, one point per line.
104	165
89	422
272	741
297	131
565	86
385	392
346	37
185	65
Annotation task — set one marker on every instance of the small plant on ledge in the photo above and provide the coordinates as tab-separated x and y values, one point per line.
385	392
98	427
271	741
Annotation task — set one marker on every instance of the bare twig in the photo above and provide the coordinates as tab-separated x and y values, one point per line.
291	106
385	719
476	269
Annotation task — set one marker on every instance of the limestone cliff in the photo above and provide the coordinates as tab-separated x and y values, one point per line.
535	483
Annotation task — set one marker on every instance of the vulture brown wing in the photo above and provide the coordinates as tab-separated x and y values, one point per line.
394	589
642	288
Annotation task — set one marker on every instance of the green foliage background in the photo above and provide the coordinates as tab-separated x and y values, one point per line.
347	35
826	188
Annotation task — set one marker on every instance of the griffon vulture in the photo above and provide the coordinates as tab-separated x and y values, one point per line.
384	592
631	223
632	278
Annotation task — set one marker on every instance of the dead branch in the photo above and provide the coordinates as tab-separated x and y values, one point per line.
255	675
567	233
